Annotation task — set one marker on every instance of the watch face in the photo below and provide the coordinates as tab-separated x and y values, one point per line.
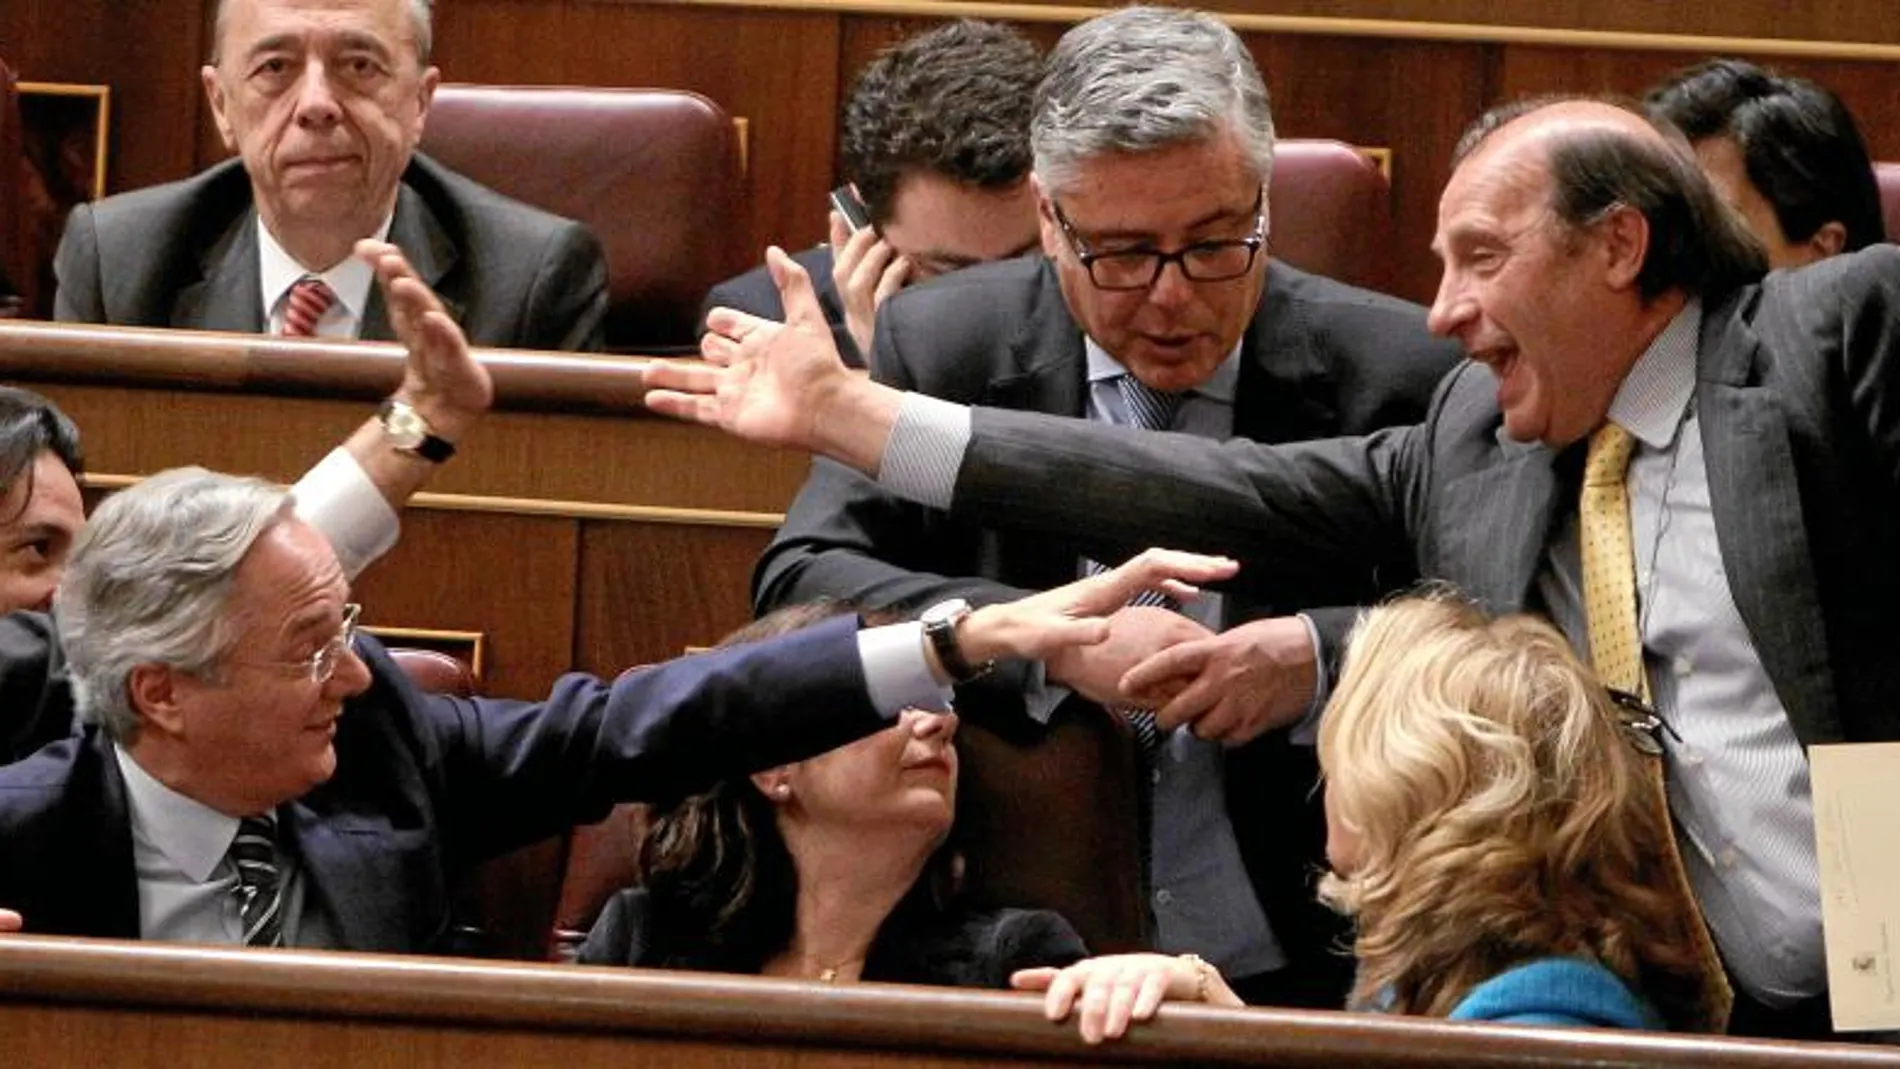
944	611
404	426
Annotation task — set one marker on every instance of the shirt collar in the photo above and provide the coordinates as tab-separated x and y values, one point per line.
193	836
1656	392
1219	387
348	278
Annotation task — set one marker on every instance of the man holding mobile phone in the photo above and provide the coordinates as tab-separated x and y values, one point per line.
936	145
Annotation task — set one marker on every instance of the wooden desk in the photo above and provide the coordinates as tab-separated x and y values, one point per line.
83	1003
574	530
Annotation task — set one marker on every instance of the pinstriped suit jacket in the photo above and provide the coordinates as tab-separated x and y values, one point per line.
1800	417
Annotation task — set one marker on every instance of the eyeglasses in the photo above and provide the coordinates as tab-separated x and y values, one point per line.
1138	269
321	665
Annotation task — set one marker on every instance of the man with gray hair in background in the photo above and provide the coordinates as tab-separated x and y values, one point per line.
1154	306
324	101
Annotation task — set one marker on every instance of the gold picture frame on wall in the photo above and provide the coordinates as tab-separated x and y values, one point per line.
65	130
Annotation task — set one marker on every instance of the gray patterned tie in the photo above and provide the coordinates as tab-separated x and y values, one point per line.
259	891
1151	410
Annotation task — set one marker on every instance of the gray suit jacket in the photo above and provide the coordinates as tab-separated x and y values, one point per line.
184	255
1318	359
1800	426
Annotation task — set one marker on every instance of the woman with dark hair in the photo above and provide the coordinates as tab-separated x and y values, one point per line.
832	869
1491	831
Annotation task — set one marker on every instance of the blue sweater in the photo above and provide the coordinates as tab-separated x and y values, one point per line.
1558	991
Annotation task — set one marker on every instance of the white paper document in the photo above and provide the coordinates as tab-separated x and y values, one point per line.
1857	836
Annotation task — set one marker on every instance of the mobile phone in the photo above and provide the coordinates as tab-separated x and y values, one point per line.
844	200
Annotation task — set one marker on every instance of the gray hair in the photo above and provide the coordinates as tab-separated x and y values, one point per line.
420	16
150	582
1145	78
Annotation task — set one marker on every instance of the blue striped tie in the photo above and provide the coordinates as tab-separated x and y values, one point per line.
1151	410
259	891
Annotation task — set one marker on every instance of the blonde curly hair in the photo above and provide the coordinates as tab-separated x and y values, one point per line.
1501	814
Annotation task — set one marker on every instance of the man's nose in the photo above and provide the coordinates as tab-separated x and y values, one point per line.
1450	310
351	676
316	96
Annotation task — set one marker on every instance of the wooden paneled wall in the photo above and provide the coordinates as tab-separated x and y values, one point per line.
1355	75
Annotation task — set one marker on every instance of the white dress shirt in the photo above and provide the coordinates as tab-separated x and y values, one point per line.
349	278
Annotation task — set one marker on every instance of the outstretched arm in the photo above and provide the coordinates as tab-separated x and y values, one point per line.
353	494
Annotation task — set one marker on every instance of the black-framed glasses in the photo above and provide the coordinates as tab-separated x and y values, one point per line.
1138	269
321	665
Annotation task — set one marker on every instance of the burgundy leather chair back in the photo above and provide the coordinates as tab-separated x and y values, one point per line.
1887	176
1055	823
654	173
601	859
1331	212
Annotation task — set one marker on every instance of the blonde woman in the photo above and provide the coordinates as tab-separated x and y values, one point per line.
1488	831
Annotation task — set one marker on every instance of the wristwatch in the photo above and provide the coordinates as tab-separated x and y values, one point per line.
411	433
940	630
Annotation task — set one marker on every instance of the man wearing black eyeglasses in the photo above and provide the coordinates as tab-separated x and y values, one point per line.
1156	306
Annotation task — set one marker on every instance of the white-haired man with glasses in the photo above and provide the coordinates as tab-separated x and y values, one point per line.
250	771
1155	305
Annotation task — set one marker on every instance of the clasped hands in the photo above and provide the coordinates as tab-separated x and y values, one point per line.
1228	687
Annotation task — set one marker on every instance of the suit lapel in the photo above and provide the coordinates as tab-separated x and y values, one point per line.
419	234
1047	372
228	295
103	899
1754	493
1275	399
355	865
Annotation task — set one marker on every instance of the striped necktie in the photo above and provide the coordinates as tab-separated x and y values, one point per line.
304	306
1151	410
259	891
1616	652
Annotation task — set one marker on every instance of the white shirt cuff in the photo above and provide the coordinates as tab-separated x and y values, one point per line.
338	498
1306	732
925	450
896	674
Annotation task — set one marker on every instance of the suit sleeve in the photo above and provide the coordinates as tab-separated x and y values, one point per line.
1284	511
77	297
511	772
567	309
1869	315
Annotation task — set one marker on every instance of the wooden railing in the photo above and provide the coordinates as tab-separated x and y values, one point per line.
572	530
86	1003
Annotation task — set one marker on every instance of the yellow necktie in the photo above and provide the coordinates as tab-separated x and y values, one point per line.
1616	651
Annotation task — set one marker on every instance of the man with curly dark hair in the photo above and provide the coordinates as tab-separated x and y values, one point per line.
935	140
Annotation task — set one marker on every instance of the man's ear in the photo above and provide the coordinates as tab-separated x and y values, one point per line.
1828	239
214	95
153	689
1624	233
425	99
1046	224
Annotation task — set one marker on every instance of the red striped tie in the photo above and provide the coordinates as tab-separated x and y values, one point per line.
309	299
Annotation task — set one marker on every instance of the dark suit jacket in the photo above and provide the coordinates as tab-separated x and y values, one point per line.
956	948
1319	359
1796	401
184	255
426	786
754	292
